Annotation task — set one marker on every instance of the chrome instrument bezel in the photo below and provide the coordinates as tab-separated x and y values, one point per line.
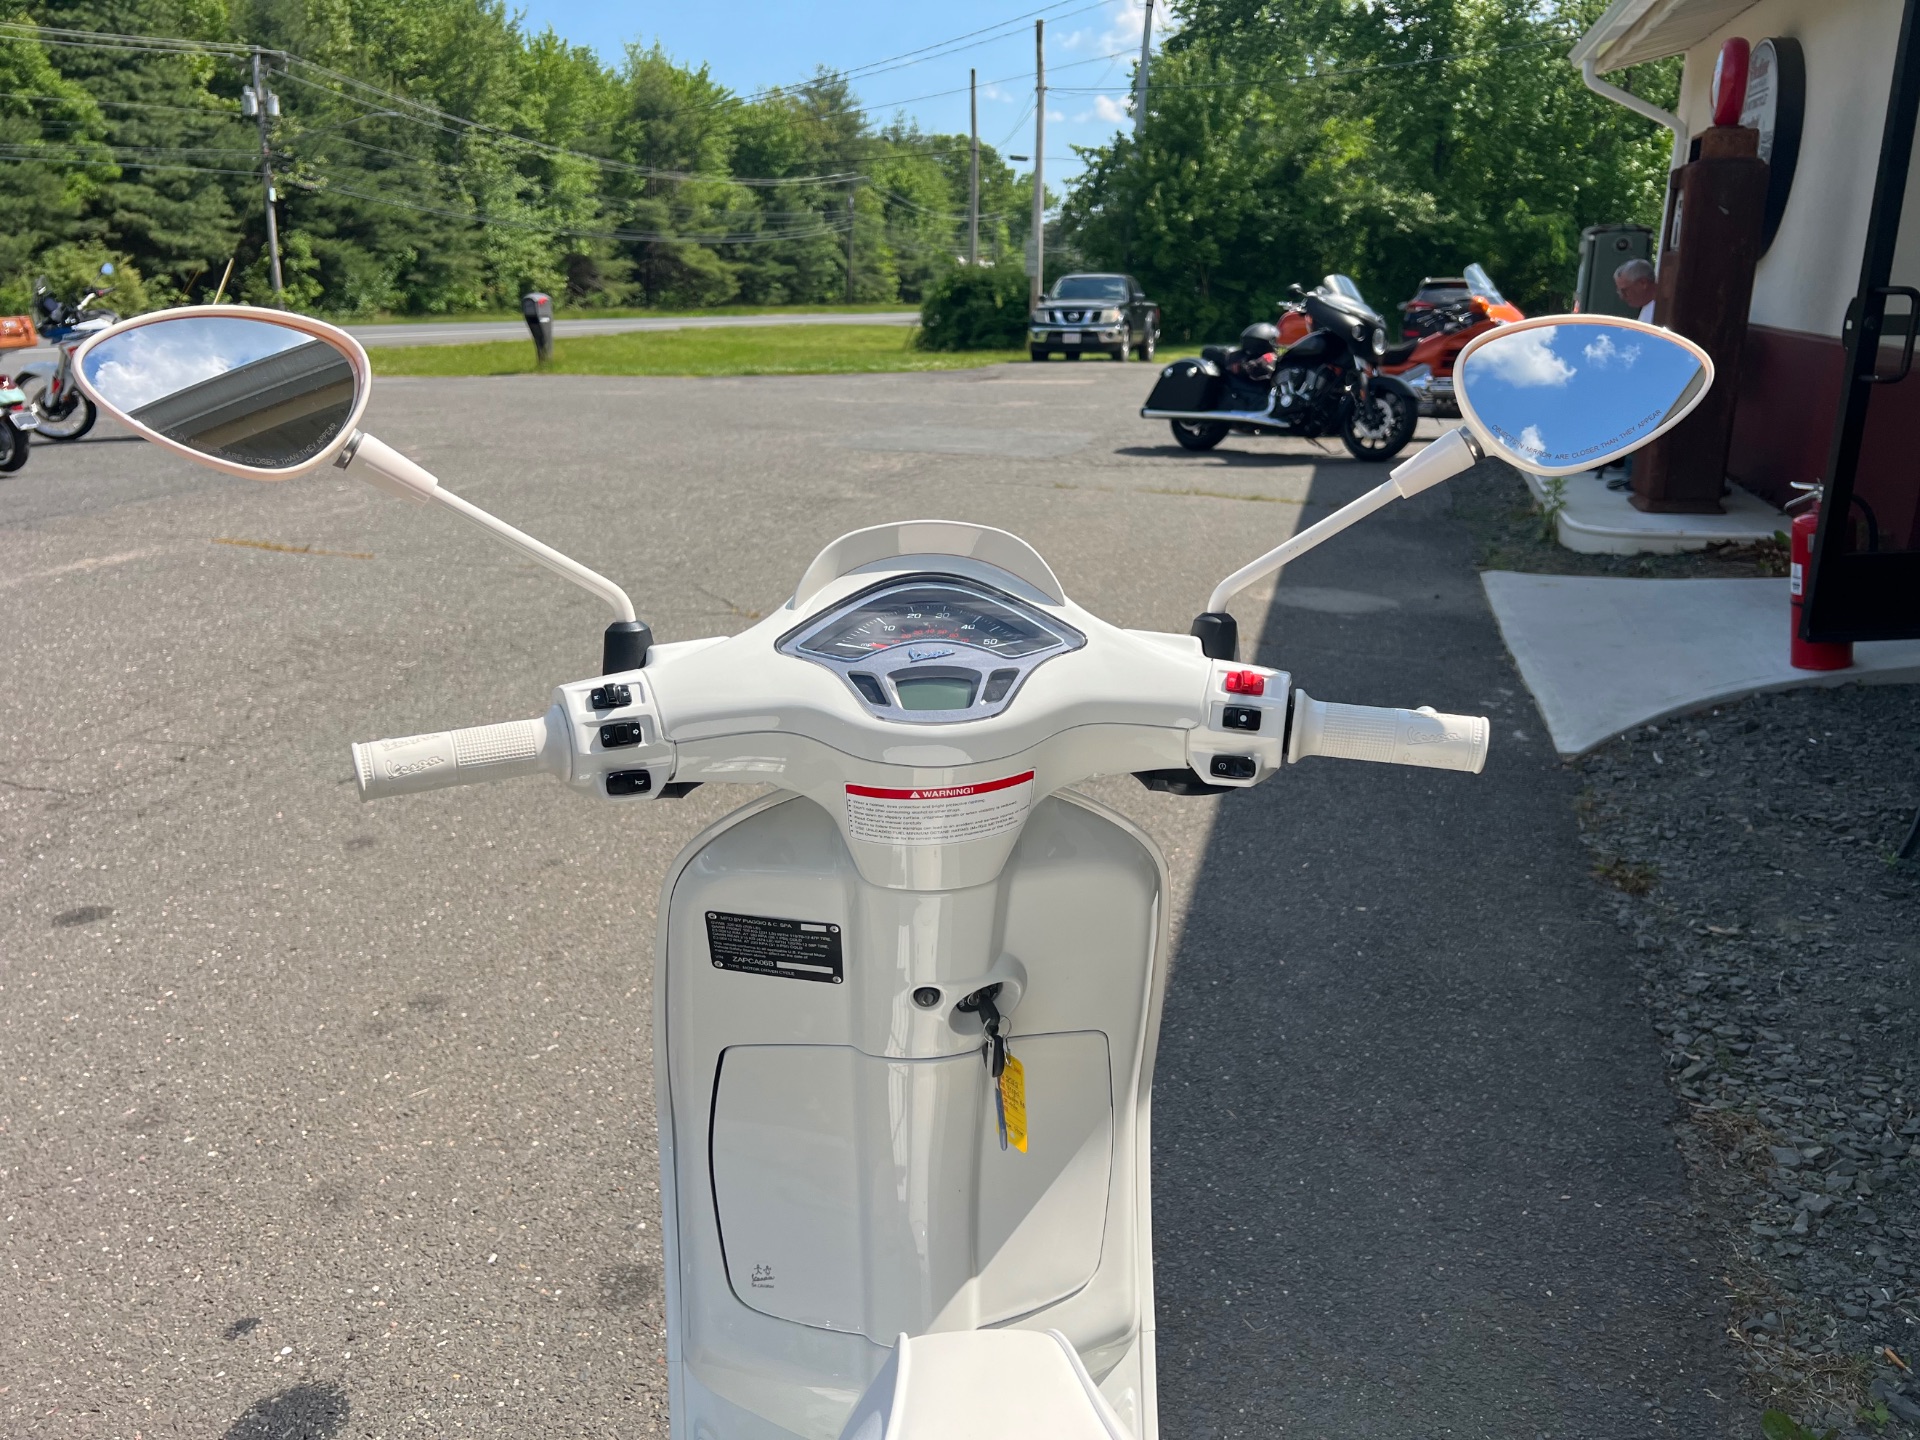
884	665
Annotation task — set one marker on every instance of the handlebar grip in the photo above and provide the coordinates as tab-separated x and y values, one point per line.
1388	737
458	757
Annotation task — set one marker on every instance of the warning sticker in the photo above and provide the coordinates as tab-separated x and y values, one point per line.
762	945
938	815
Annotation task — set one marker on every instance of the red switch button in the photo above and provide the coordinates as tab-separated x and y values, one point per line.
1245	682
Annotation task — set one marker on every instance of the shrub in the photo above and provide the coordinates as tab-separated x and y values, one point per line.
975	308
70	268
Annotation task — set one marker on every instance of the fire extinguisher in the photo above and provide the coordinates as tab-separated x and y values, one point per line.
1809	654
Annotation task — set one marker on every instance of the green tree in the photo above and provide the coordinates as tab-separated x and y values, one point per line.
1389	140
52	133
175	130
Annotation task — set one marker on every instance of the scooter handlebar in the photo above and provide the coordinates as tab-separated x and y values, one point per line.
1389	737
459	757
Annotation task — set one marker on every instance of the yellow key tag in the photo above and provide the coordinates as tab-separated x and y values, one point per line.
1013	1104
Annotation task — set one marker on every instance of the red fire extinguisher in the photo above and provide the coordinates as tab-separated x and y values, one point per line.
1809	654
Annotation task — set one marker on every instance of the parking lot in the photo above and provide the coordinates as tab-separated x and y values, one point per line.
322	1119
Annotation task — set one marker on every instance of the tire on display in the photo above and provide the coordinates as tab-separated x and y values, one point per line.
1123	351
1035	354
1145	347
76	421
1379	427
1198	434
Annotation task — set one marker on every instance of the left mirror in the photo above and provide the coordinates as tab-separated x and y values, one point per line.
265	397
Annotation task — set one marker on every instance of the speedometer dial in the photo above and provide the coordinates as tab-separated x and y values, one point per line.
929	615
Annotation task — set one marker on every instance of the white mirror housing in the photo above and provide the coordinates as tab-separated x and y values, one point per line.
231	386
1560	394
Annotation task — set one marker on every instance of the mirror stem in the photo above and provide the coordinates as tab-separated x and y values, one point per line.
1446	457
387	469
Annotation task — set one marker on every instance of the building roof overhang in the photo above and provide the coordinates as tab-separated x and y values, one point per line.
1633	32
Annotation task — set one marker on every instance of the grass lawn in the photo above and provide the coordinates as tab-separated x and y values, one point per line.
772	350
892	307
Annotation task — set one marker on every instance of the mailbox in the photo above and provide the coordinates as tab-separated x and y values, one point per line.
538	308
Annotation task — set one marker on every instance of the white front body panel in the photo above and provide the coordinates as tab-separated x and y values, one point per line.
832	1173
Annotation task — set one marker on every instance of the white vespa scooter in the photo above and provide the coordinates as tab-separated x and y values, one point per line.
906	1005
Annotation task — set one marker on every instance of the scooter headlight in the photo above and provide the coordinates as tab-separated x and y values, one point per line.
1379	342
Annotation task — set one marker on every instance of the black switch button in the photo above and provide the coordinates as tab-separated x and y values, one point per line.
619	733
629	782
869	687
610	697
1240	717
998	683
1233	767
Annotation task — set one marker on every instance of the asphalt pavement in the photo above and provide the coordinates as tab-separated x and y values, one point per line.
326	1120
469	332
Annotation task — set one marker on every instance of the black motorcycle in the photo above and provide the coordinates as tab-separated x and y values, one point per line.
1324	384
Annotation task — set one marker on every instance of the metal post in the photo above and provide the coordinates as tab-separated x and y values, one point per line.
1140	76
262	104
850	217
973	182
1037	284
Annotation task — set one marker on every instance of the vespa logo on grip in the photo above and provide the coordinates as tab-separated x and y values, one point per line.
414	767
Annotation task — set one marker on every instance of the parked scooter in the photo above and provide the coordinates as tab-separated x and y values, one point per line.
906	1006
1323	384
1442	325
62	408
17	422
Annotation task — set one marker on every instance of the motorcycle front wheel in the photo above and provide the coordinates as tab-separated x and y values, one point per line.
13	447
69	423
1379	426
1198	434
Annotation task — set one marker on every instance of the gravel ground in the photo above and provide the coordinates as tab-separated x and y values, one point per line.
1495	504
1752	852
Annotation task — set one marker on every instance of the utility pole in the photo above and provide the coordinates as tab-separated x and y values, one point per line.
263	104
1140	75
973	182
1036	285
850	218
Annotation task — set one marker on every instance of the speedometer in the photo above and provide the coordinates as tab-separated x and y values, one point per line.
929	615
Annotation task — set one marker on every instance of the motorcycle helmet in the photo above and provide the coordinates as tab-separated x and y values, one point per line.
1260	339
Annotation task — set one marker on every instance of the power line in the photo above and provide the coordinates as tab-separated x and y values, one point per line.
751	237
645	171
877	67
199	110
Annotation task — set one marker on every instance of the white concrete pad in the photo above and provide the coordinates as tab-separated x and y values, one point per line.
1598	521
1603	655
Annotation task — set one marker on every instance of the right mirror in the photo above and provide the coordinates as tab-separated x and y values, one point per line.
262	396
1565	393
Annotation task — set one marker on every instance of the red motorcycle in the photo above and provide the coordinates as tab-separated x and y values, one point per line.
1444	325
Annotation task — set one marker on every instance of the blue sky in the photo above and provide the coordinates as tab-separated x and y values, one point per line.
754	44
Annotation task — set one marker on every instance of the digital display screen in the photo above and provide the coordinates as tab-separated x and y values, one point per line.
935	692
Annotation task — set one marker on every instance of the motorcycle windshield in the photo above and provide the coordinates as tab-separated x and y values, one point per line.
1337	312
1481	284
1343	285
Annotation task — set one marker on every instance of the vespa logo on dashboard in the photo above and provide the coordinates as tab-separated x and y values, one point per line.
928	652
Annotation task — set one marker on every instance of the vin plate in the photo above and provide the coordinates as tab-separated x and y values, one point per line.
762	945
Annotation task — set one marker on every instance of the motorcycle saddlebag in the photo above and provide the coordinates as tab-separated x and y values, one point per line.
1186	385
16	332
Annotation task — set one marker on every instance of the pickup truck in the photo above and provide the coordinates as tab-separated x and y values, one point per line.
1108	313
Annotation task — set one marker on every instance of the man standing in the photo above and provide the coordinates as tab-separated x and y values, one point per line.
1634	281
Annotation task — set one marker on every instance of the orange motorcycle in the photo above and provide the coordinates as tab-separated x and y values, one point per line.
1444	318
